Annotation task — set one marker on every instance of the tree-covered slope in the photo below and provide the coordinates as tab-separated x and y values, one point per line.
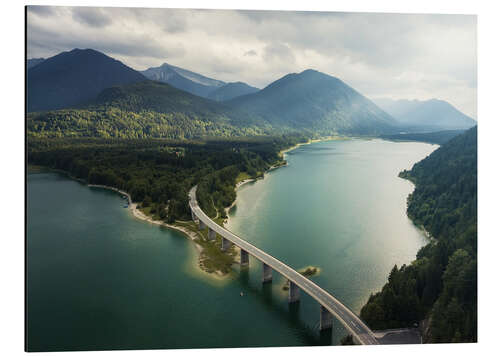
314	101
144	109
74	77
231	90
440	286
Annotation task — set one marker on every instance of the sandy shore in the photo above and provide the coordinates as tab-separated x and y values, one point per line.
140	215
218	275
187	232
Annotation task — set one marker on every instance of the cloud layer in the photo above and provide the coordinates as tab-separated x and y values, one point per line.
381	55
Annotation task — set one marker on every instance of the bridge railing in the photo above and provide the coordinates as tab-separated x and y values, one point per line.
355	325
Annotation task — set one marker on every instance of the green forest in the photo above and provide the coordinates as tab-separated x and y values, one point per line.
158	173
439	288
142	110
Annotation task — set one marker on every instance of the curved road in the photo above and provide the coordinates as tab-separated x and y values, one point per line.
351	322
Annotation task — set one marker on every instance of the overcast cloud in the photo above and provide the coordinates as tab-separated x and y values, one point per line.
380	55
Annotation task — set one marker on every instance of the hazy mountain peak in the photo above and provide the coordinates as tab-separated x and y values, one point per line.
312	100
313	72
432	114
183	79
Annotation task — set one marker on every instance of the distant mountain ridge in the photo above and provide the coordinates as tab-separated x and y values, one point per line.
32	62
73	78
197	84
94	88
314	101
231	90
196	77
183	79
427	115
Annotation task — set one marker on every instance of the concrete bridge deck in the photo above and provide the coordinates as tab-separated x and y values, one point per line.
361	333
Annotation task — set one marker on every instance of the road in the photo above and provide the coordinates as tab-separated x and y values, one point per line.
350	320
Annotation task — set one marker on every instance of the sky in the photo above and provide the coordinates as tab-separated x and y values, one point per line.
398	56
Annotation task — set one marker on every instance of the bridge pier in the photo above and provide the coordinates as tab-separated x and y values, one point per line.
225	244
267	273
325	318
361	333
211	234
293	292
244	260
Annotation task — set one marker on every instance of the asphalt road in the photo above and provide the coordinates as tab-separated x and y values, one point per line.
351	321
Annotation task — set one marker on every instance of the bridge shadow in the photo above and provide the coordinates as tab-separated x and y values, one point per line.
290	313
267	292
325	337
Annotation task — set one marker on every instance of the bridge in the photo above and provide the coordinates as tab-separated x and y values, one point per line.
329	306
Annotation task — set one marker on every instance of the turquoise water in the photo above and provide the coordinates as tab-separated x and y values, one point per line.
100	279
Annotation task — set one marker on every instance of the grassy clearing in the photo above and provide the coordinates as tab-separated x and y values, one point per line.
212	258
147	212
242	176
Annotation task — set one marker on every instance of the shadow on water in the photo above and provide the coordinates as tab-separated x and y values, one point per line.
267	292
244	276
274	304
294	312
325	337
263	293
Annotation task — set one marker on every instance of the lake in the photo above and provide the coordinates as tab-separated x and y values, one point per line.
100	279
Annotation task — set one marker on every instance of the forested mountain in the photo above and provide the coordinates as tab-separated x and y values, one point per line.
183	79
440	286
74	77
314	101
31	62
79	82
428	115
146	109
231	90
150	109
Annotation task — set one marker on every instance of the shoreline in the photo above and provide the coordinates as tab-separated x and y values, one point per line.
282	154
193	235
420	227
143	217
190	234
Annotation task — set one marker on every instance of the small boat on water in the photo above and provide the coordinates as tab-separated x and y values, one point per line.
241	293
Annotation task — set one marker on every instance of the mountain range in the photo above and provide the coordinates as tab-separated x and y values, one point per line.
86	93
427	115
73	78
197	84
314	101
